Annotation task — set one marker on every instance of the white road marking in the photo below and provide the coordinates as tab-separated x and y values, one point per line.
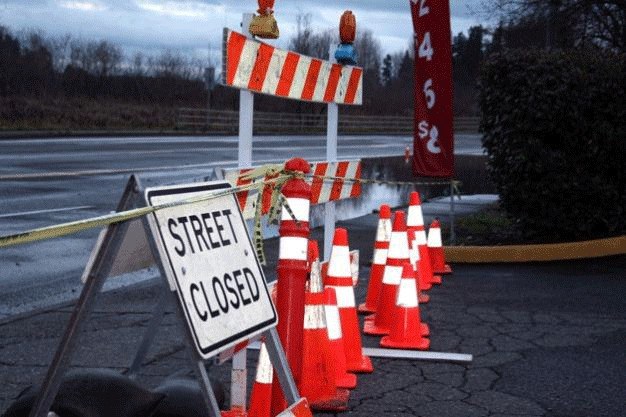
223	164
28	213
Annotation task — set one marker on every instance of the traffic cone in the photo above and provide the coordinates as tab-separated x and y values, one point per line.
318	382
333	323
415	221
397	255
340	278
414	257
261	395
405	327
381	246
435	247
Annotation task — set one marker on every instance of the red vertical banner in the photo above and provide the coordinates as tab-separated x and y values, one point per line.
433	143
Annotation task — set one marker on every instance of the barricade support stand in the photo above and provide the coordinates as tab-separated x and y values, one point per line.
98	270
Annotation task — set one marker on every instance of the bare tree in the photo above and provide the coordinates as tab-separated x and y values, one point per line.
301	41
570	22
369	50
107	57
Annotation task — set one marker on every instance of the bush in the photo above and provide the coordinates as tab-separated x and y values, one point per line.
554	127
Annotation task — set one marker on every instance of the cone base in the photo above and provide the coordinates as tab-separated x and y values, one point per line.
424	329
417	343
372	329
347	381
443	271
365	309
339	402
364	366
436	280
235	412
423	298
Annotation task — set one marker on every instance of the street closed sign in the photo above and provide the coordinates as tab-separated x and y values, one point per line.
210	262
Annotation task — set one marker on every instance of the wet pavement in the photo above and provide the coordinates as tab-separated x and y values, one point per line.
548	340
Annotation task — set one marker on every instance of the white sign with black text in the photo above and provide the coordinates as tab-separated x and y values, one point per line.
210	261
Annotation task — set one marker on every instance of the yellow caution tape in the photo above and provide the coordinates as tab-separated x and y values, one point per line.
264	174
65	229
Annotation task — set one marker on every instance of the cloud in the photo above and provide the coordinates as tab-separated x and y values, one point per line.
191	25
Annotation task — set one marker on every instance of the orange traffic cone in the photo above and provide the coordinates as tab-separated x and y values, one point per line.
398	254
383	234
405	327
340	278
415	221
318	380
333	323
435	246
261	396
414	257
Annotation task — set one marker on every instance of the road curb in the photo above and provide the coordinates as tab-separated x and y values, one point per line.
537	253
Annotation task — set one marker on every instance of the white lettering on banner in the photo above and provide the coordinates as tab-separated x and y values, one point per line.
339	265
426	49
429	93
207	253
433	135
392	275
299	207
294	248
424	10
407	294
345	296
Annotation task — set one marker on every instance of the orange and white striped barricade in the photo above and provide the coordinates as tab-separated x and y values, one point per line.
338	188
262	68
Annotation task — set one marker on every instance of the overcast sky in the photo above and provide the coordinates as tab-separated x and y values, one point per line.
192	25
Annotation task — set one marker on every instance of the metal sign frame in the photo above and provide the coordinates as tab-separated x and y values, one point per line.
98	270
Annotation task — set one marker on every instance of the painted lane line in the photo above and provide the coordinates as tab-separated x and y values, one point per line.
94	172
28	213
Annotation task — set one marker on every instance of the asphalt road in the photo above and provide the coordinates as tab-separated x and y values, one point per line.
547	340
50	181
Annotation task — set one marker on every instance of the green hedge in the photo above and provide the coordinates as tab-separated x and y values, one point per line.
554	127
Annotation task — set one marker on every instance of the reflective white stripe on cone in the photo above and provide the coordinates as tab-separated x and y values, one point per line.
414	257
396	257
415	222
381	246
435	247
333	323
339	277
405	327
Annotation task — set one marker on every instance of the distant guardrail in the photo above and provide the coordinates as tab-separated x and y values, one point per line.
227	122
